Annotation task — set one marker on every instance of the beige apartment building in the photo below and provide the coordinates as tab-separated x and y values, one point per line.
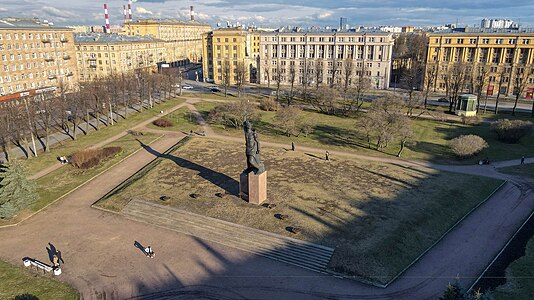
230	47
34	57
305	53
500	51
183	39
100	54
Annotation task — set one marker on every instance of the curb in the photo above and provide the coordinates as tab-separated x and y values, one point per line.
77	187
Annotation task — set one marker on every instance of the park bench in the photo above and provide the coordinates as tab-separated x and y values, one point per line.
29	262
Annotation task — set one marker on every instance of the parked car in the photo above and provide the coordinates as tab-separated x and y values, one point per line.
187	87
443	100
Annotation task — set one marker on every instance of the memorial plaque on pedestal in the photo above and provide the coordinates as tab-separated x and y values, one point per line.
253	188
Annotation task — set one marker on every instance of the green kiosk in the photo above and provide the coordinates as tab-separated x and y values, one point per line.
466	105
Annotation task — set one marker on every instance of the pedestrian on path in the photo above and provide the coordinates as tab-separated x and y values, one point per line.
149	252
55	260
523	160
327	155
292	146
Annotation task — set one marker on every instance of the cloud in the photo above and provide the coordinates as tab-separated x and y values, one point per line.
3	9
143	11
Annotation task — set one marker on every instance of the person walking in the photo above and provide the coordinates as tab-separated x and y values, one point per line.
292	146
523	160
327	155
58	253
55	260
149	252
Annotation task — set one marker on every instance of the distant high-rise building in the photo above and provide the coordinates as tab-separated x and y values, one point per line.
343	23
497	23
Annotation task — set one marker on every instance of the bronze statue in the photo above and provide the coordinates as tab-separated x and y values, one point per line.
254	163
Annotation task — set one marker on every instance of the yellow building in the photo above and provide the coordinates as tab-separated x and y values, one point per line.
34	56
230	47
183	39
504	53
100	55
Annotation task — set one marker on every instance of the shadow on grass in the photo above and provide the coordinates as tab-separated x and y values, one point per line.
228	184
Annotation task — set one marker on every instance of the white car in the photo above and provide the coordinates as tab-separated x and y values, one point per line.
187	87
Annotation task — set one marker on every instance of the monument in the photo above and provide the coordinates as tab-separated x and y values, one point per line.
253	180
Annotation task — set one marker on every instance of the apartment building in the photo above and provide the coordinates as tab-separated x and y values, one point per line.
99	54
35	56
501	51
325	52
183	39
227	48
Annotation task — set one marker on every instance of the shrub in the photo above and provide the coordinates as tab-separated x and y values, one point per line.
468	145
268	104
440	116
511	131
163	122
475	120
86	159
232	114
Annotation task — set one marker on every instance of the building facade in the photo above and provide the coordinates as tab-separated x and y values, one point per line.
35	57
228	49
503	53
305	53
99	55
183	39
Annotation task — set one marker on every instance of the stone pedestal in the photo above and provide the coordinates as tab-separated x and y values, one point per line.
253	188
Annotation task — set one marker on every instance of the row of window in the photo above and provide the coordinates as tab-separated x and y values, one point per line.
123	47
31	36
484	41
330	39
25	46
41	55
29	66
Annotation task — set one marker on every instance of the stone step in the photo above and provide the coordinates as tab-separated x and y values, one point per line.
250	245
280	248
223	229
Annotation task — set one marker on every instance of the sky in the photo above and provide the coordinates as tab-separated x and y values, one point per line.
276	13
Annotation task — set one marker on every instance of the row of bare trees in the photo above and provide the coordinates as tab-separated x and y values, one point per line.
32	120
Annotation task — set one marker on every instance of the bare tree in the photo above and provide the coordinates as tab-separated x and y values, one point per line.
362	85
288	119
411	82
226	73
502	78
480	79
318	74
522	75
291	77
241	72
455	82
278	80
267	68
428	81
348	74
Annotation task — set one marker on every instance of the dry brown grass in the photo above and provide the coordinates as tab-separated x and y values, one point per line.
378	216
89	158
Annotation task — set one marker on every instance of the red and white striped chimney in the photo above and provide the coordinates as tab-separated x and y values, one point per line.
130	11
192	13
124	19
108	30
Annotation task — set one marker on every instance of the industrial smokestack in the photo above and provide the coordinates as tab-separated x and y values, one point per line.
130	18
108	29
124	18
192	13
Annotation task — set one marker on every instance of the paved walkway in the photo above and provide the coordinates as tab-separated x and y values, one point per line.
100	256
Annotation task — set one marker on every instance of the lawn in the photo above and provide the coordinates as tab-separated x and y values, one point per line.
522	170
182	120
379	217
519	278
342	133
69	146
19	284
54	185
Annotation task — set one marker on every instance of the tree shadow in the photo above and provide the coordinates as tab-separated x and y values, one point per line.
228	184
335	136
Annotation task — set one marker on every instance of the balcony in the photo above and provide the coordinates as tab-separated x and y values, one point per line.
64	40
52	77
66	57
69	74
92	59
45	40
49	59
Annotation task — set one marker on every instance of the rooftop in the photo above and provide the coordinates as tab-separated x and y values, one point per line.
169	22
320	30
33	23
468	30
111	38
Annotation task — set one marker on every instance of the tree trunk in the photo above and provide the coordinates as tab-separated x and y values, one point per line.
402	144
515	104
497	103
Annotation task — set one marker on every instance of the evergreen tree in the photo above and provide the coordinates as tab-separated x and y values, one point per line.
16	191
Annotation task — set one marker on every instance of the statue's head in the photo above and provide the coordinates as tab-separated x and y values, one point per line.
247	127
